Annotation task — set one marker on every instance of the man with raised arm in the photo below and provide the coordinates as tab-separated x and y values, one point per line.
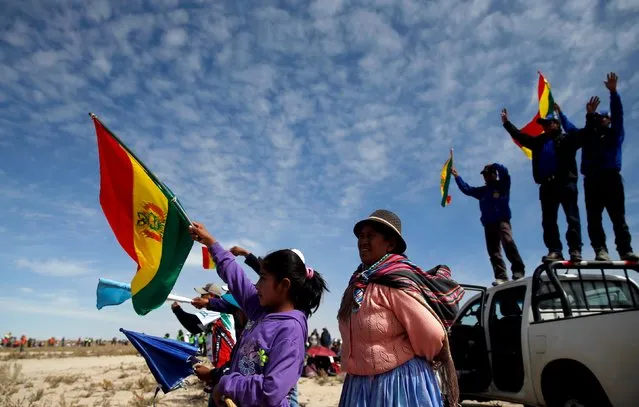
494	204
555	170
601	167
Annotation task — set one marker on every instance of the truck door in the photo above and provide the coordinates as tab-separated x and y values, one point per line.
468	344
504	324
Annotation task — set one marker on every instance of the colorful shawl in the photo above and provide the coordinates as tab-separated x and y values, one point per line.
435	285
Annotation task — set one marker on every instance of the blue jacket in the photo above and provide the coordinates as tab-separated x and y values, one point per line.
553	155
601	146
494	198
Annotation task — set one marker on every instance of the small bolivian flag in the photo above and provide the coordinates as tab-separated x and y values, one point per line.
146	219
207	259
444	181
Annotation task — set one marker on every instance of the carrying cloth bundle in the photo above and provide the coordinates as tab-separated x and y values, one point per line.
434	289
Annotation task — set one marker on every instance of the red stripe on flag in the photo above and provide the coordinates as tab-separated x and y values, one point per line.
541	85
206	258
116	188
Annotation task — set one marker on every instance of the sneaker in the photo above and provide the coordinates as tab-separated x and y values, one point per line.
552	256
630	256
602	255
499	281
575	256
518	276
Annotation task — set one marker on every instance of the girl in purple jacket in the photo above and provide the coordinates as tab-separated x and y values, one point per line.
269	357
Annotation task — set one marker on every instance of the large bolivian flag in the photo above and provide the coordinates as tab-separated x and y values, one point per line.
145	217
546	105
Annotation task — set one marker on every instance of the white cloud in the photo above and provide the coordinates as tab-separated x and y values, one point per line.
55	267
26	290
175	37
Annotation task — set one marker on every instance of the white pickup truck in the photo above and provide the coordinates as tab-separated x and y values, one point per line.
567	336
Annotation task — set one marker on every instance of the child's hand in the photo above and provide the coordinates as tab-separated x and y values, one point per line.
199	233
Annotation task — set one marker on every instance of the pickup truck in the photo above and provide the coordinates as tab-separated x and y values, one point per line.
566	336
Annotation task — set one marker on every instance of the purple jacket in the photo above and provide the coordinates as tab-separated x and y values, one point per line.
270	354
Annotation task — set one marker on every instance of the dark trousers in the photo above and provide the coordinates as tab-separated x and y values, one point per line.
497	235
605	191
552	194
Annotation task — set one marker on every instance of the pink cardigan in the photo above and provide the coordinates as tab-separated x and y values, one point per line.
390	328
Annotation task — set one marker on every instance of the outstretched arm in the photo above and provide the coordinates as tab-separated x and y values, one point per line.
616	108
524	139
250	259
467	189
240	286
189	321
565	123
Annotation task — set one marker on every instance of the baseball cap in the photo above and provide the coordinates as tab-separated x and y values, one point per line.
212	289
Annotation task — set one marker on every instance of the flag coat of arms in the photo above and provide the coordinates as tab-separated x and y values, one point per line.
145	217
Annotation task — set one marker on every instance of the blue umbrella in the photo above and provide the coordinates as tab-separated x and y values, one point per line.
170	361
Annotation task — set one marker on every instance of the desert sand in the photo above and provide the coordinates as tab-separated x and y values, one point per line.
67	380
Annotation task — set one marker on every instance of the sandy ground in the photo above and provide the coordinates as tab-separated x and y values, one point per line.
109	381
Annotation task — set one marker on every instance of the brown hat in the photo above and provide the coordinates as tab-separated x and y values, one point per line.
388	220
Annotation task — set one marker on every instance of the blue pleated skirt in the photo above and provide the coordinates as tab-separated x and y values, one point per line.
409	385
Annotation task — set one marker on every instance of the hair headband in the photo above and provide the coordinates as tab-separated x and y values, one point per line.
299	254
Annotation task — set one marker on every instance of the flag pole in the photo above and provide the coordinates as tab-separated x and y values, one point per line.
155	179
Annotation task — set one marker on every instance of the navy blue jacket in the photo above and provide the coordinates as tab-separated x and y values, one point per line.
494	198
601	146
553	156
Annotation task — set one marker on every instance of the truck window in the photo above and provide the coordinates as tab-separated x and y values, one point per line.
595	295
470	317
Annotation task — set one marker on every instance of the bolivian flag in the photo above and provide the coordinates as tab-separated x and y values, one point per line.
145	217
546	105
444	182
207	259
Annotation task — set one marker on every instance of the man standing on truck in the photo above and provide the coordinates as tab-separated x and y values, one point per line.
555	170
494	198
601	168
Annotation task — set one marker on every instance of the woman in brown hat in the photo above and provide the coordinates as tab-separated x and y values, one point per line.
392	321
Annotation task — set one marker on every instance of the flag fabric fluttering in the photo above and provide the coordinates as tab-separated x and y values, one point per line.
546	106
444	182
146	218
207	259
111	292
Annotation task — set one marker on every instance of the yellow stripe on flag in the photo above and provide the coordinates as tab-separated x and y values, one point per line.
544	101
150	208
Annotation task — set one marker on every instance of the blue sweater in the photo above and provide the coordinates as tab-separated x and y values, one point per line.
601	146
494	198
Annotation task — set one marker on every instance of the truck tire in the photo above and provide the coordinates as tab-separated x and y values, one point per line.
573	385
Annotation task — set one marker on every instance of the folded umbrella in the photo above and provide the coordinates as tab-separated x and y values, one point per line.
169	361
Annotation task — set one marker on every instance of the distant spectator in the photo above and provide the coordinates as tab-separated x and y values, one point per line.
326	338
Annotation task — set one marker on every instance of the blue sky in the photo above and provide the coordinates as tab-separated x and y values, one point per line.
280	124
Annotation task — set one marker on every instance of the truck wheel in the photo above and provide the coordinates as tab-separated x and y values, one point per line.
586	395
